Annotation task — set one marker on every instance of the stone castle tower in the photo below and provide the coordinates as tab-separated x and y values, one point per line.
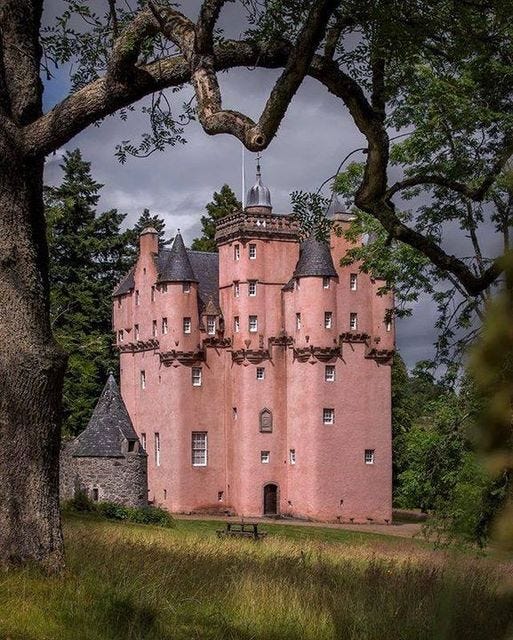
258	379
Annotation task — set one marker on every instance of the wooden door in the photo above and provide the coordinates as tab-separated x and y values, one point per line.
270	500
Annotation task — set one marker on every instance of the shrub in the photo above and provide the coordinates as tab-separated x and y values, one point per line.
113	511
80	502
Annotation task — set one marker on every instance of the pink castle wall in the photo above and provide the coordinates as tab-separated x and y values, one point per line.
330	479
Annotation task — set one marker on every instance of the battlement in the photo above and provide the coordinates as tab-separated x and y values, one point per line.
257	224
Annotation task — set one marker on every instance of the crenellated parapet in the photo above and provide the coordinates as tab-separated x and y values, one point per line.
174	358
246	224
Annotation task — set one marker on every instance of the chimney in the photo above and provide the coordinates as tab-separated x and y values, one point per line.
148	241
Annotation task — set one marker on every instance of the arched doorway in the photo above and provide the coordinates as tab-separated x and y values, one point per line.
271	500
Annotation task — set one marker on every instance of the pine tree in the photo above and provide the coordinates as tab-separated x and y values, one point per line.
87	258
223	204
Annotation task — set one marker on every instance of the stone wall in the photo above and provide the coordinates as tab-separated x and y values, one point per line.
123	480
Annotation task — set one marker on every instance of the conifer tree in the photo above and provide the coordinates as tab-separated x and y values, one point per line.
223	204
87	258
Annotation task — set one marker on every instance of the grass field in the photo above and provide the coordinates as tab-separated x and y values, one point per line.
141	582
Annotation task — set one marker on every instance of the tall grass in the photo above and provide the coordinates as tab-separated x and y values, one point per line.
129	582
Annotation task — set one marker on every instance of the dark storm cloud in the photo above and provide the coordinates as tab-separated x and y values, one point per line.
315	135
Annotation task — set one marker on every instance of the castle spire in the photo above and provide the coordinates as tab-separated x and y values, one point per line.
177	267
259	195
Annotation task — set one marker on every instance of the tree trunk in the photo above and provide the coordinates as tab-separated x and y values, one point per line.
31	372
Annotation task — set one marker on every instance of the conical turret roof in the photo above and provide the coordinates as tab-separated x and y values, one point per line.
314	259
109	427
176	266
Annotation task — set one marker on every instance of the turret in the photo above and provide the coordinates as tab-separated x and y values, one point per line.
258	199
148	241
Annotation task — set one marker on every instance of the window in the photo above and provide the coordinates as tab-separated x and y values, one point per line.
137	297
328	416
163	288
120	335
260	373
164	325
157	449
153	294
143	379
199	448
298	321
131	446
96	495
236	251
252	287
353	321
143	441
236	324
154	328
266	421
220	496
252	251
388	325
329	373
253	324
186	287
298	286
326	283
211	325
236	289
292	456
353	282
265	457
328	319
187	325
369	456
120	302
196	376
234	413
136	331
165	494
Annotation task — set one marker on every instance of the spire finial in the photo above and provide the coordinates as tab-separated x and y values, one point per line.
178	230
259	175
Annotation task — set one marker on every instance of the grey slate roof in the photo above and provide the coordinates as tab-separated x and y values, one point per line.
126	285
109	426
173	264
206	269
314	259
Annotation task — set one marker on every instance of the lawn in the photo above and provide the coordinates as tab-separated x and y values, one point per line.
134	581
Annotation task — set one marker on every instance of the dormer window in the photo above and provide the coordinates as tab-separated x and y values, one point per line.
252	251
186	287
131	446
211	325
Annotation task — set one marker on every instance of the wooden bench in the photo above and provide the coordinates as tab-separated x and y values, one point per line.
241	530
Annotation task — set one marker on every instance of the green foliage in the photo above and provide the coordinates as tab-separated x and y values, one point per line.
310	209
223	204
81	503
87	258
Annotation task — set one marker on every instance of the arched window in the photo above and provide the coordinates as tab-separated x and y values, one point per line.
266	421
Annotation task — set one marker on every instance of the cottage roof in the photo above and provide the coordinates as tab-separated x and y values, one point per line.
173	264
314	259
109	427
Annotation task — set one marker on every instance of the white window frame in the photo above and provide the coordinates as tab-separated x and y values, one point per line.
369	456
252	288
328	415
142	379
326	282
328	319
187	325
353	321
154	328
292	456
252	251
353	281
136	331
164	326
236	251
143	441
236	324
260	373
388	325
298	321
211	325
265	457
157	449
199	444
121	335
330	373
253	324
236	289
196	376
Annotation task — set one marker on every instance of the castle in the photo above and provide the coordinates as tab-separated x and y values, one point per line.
258	378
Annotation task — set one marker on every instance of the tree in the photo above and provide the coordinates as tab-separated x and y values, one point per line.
88	256
126	54
223	204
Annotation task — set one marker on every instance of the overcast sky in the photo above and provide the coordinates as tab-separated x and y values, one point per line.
316	134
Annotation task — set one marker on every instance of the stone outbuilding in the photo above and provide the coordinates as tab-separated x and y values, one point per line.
106	461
